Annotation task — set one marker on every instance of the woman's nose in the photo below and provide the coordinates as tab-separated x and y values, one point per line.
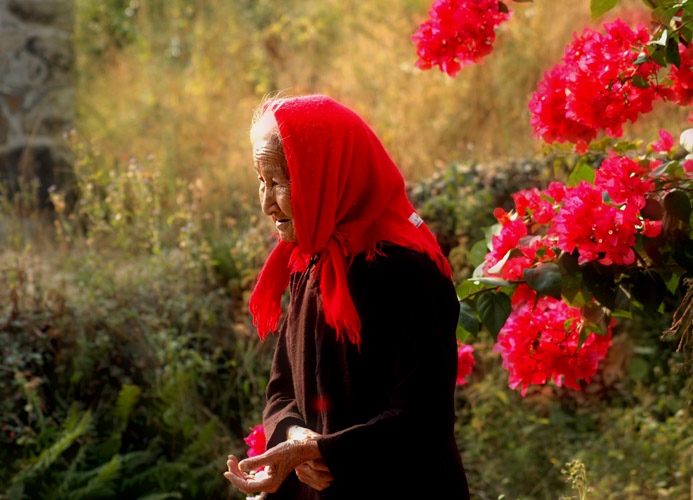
269	202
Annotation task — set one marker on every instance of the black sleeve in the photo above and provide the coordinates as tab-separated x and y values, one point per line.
408	312
281	410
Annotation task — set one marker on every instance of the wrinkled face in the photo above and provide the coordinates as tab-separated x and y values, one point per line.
275	187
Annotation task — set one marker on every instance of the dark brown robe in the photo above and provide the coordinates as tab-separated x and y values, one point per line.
386	413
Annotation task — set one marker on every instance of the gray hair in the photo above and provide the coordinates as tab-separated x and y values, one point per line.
264	124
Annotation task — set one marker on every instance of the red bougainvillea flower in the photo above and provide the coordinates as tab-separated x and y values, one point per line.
683	78
688	167
624	180
592	89
651	228
556	191
541	342
655	163
542	211
599	231
548	107
465	362
509	239
459	32
256	440
529	247
665	142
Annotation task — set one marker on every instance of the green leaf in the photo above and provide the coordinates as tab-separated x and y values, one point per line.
570	286
662	40
673	282
622	313
582	172
658	57
594	328
641	59
479	270
672	52
545	279
592	313
577	301
498	266
599	282
468	320
582	336
478	253
468	287
600	7
490	232
686	33
569	262
494	309
639	82
461	334
677	203
657	249
489	280
652	209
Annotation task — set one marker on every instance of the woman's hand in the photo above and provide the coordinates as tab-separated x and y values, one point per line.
314	473
278	462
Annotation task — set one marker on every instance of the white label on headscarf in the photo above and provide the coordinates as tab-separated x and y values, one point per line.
415	219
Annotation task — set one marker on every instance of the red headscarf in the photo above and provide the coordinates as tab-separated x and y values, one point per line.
347	197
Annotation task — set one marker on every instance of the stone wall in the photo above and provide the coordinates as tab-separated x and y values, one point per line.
37	95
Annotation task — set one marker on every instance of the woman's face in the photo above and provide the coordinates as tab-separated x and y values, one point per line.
275	187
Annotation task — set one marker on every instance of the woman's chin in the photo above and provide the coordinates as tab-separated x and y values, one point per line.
288	235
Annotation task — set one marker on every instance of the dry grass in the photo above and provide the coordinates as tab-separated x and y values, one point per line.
184	90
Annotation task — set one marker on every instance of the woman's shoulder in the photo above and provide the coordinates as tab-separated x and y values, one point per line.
396	264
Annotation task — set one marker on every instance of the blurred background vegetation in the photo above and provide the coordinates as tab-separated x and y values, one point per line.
130	365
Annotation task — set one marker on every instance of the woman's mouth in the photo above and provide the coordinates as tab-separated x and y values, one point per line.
282	222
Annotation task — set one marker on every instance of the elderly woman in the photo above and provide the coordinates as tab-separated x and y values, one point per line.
360	396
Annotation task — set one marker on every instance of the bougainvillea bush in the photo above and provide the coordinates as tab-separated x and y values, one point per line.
556	272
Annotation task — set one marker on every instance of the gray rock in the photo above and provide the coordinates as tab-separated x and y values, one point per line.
37	97
53	114
57	13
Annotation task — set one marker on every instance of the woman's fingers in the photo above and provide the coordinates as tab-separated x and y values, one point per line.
249	483
307	477
319	465
278	462
232	466
237	477
315	474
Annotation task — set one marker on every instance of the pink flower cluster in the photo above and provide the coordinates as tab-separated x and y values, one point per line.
682	79
257	441
597	86
540	340
459	32
606	231
537	346
465	362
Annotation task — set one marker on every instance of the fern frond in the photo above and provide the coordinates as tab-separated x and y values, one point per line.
195	449
128	397
73	430
101	485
